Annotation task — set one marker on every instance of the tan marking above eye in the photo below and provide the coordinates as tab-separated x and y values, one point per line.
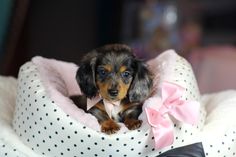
107	67
122	69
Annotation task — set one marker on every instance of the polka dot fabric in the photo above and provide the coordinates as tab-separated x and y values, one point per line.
49	131
218	135
171	67
6	150
224	146
215	130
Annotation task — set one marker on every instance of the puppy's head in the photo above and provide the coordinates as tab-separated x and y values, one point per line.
114	73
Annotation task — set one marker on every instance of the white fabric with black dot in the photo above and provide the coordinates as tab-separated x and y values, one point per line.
48	131
170	67
7	150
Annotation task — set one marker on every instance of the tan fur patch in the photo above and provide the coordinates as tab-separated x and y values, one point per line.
108	68
103	89
122	69
109	126
123	89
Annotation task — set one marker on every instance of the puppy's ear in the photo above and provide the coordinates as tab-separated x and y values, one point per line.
141	84
85	75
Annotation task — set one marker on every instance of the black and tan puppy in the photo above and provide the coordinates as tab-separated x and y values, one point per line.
113	73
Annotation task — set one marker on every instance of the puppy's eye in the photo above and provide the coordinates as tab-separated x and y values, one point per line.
102	72
125	74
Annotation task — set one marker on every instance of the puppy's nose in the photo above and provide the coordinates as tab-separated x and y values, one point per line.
113	92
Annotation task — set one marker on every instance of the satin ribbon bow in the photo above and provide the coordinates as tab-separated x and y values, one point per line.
170	103
110	107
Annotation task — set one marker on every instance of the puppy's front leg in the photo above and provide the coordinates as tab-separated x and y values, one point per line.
130	116
108	126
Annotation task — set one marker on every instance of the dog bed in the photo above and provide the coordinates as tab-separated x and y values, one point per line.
48	122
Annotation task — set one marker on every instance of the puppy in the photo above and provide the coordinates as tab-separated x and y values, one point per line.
114	74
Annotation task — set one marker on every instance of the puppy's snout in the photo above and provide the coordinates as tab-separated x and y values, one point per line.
113	92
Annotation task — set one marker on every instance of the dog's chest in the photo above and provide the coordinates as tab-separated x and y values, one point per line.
113	109
115	113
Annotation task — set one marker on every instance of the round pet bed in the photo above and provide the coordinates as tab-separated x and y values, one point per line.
48	122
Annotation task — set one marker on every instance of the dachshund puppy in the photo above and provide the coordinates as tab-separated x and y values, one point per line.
114	74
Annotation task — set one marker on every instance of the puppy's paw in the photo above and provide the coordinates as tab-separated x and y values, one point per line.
109	127
133	124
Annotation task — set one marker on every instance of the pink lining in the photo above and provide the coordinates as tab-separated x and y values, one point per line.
59	81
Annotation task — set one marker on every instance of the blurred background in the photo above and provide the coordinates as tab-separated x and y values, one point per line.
202	31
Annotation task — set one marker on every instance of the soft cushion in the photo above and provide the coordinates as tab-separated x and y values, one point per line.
48	122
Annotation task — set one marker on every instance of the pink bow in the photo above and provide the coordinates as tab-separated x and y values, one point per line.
171	104
110	107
